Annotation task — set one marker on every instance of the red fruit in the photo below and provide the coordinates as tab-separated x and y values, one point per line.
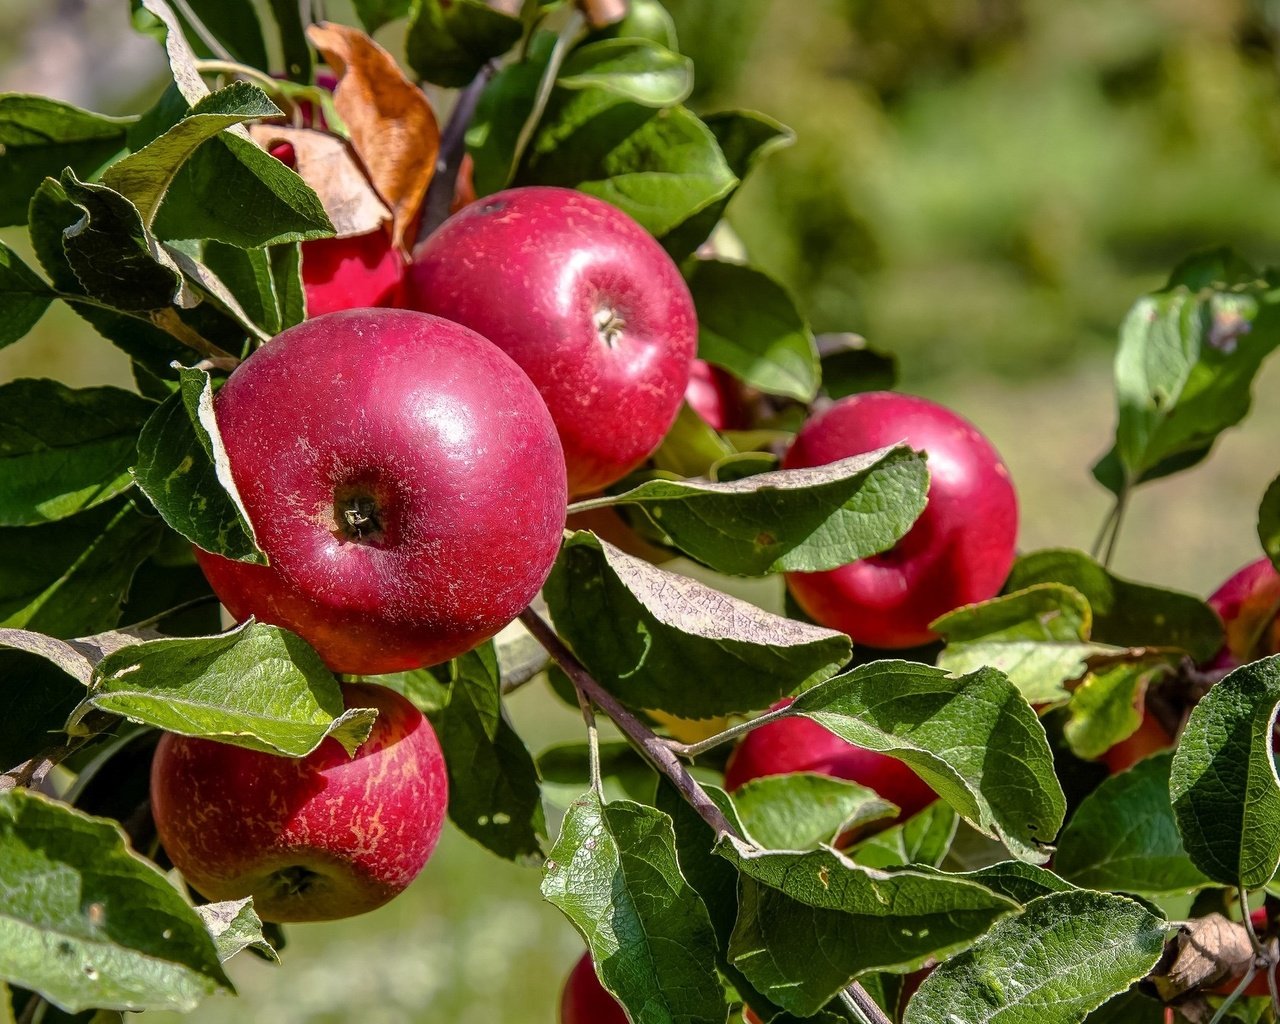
715	396
1249	605
1150	737
585	301
960	549
405	481
310	839
585	1001
802	745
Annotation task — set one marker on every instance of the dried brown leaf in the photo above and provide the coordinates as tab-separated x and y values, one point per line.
392	126
1205	951
329	166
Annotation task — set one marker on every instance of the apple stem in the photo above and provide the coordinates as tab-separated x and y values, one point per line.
661	756
693	750
453	146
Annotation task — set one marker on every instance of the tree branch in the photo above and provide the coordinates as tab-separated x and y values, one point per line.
453	146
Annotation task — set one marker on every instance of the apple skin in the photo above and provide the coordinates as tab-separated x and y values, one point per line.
313	838
585	300
433	433
1149	738
585	1001
716	397
958	552
802	745
1248	603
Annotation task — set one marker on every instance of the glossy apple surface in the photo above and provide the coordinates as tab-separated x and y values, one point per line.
585	1001
310	839
716	397
585	301
404	479
802	745
959	551
1249	606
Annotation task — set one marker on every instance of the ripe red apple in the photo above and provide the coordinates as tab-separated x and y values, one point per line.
585	1001
959	551
348	273
1249	605
404	479
310	839
585	301
1150	737
715	396
802	745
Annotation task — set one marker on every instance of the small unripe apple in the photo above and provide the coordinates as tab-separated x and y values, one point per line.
312	838
404	479
715	396
585	1001
585	300
958	552
1249	606
801	745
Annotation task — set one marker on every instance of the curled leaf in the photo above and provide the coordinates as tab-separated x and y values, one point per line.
1205	951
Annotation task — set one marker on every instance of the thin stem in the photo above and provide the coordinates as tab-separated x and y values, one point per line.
33	771
32	1007
230	67
206	37
453	147
564	40
593	742
1236	993
1122	503
1242	894
693	750
651	746
855	998
1107	523
591	504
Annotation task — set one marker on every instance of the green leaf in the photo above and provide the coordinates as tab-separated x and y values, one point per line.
1123	836
565	771
659	167
1226	796
183	468
1065	955
802	811
1107	707
293	39
232	191
1269	522
113	255
493	784
645	19
1185	366
1018	880
972	738
37	697
69	578
744	137
427	689
613	872
790	520
659	640
145	176
691	447
849	367
183	62
373	14
924	838
506	106
88	923
450	40
1038	637
64	450
257	686
235	24
748	324
1130	1007
23	297
246	274
40	136
809	923
286	273
234	927
1125	614
634	69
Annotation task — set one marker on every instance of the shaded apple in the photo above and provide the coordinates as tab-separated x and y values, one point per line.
958	552
716	396
313	838
585	300
585	1001
801	745
404	479
1249	605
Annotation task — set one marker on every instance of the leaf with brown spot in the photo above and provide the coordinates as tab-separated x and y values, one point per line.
328	164
392	126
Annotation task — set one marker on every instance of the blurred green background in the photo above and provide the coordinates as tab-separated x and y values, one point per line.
979	186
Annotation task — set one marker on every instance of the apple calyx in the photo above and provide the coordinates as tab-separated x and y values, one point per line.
609	326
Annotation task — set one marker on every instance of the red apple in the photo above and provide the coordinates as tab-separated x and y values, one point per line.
348	273
802	745
1249	605
1259	986
959	551
310	839
1149	738
585	301
715	396
585	1001
404	479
